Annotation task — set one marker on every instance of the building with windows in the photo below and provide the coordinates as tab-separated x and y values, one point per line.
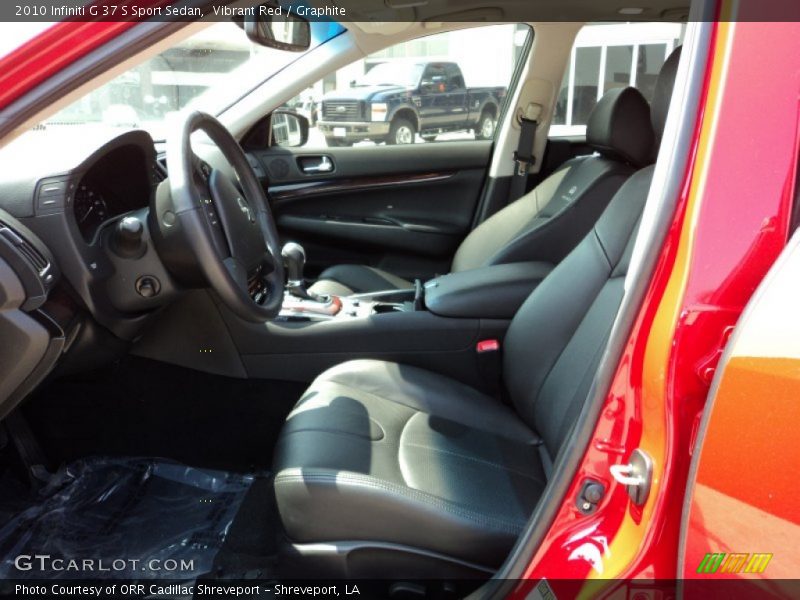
606	56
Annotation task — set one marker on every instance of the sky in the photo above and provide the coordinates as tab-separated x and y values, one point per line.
13	35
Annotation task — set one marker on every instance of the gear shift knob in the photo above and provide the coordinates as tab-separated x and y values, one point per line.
294	257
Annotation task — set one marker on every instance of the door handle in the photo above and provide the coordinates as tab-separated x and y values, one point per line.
324	165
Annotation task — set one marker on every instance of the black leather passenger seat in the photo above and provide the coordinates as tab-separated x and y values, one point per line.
382	459
547	223
386	451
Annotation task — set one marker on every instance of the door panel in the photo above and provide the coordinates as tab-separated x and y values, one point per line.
405	208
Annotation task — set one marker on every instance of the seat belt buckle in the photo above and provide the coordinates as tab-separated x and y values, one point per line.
524	163
485	346
490	365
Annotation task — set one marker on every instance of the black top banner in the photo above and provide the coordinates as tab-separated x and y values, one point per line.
381	11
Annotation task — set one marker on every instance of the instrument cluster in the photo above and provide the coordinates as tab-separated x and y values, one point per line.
118	183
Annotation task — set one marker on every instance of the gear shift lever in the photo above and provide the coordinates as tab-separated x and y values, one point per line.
294	257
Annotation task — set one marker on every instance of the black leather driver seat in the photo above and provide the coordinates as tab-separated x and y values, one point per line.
387	470
546	224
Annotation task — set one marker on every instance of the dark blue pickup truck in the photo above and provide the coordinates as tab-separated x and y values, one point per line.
395	101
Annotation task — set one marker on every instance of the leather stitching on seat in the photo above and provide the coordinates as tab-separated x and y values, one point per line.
602	248
399	403
547	223
374	395
590	372
330	431
483	461
566	345
513	527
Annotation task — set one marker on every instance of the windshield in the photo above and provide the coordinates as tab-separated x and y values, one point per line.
208	71
403	74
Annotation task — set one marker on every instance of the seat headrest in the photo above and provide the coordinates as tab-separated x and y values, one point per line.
619	127
663	93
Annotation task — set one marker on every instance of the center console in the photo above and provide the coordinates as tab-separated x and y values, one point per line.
326	308
437	326
300	304
494	292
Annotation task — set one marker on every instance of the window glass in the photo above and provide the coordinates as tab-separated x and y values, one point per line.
584	95
455	79
560	116
608	56
391	73
619	60
444	87
648	64
207	71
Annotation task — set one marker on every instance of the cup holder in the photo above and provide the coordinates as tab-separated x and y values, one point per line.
383	308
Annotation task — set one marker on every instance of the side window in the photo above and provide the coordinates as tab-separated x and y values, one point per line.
434	79
455	79
444	87
608	56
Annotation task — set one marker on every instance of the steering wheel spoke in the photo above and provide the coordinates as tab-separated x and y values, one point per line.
227	224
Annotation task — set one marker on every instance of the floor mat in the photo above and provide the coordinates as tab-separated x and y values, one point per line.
133	518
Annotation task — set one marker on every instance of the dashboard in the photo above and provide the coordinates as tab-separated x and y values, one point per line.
84	194
69	190
75	288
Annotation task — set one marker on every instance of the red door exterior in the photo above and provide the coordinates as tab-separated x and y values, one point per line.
730	226
743	508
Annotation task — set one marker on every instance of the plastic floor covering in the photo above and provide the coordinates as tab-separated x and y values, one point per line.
133	518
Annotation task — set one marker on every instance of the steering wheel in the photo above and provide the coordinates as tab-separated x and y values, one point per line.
230	235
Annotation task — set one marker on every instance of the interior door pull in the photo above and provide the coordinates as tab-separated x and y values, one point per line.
325	165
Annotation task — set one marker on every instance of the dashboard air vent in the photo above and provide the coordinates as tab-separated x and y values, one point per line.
160	169
30	253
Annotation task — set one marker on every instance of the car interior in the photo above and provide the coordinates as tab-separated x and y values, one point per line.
210	351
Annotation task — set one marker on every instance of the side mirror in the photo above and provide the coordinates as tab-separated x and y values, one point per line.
288	129
273	27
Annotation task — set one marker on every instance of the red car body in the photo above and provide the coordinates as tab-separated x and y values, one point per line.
731	224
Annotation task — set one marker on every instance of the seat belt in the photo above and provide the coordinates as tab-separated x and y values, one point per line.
523	156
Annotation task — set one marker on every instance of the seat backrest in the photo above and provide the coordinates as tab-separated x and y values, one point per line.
555	341
663	93
547	223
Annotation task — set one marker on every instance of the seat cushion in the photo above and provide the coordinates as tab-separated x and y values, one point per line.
378	451
344	280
